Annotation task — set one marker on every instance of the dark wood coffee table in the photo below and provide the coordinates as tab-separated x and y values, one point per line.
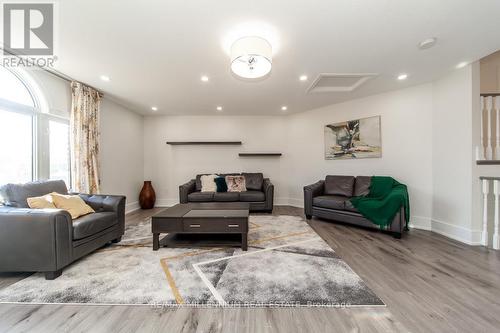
202	224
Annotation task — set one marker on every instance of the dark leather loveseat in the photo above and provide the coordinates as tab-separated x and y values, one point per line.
329	199
47	240
259	194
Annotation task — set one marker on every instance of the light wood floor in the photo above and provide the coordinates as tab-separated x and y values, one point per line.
429	283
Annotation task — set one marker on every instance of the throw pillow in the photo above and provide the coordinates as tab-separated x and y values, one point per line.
235	183
208	183
253	181
42	202
220	182
73	204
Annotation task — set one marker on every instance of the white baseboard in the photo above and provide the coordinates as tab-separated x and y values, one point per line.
166	202
420	222
131	207
459	233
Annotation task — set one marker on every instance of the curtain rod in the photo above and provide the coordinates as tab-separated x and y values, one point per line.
54	72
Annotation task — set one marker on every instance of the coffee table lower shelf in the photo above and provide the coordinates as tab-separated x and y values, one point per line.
201	240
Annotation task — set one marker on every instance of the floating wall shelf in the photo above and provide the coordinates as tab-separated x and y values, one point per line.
488	162
184	143
260	154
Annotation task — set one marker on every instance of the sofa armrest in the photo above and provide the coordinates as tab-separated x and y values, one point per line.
107	203
268	189
311	191
35	239
185	189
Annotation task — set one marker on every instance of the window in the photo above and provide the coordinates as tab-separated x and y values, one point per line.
16	159
35	144
59	150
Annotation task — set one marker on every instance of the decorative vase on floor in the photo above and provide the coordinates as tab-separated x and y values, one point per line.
147	197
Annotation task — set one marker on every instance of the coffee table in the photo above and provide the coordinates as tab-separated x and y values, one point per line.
202	224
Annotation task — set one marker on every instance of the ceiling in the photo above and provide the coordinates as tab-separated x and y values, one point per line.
156	51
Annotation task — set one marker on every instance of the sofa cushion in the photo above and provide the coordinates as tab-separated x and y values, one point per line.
198	181
362	185
227	196
73	204
235	183
208	183
16	195
330	201
198	178
249	196
201	196
253	181
349	207
339	185
91	224
43	202
220	183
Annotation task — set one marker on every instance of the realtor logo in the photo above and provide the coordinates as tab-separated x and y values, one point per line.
28	28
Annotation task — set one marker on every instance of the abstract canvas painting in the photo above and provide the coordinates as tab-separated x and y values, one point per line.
360	138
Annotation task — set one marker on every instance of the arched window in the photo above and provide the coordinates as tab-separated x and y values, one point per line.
34	144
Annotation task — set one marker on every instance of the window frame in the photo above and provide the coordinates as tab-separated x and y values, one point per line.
40	120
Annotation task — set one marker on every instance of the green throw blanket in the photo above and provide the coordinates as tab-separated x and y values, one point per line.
385	199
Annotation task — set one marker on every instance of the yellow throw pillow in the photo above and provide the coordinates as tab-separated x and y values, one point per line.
75	206
41	202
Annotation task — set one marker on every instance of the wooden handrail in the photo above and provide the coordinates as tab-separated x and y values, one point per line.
489	178
490	95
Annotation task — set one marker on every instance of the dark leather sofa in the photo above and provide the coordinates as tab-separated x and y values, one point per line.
47	240
329	199
259	194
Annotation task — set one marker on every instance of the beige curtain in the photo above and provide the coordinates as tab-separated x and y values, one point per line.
84	138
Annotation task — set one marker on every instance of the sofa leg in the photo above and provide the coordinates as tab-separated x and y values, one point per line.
308	217
117	240
396	235
53	275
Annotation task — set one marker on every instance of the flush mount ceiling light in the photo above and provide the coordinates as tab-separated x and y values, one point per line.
402	77
427	43
303	78
204	78
251	57
105	78
284	108
219	108
461	65
154	108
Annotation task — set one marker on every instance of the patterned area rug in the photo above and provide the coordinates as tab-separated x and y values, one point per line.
287	264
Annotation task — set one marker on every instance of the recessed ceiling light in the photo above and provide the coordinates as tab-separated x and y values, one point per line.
219	108
154	108
204	78
402	77
303	78
427	43
462	65
105	78
284	108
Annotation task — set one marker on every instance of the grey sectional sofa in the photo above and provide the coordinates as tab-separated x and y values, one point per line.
329	199
47	240
259	194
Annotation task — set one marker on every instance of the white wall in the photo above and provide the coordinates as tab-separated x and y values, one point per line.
453	155
122	137
169	166
406	135
406	145
122	157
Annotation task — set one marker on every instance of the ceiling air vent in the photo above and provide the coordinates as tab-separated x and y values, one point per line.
329	82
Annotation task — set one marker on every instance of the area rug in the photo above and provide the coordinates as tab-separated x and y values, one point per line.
287	264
